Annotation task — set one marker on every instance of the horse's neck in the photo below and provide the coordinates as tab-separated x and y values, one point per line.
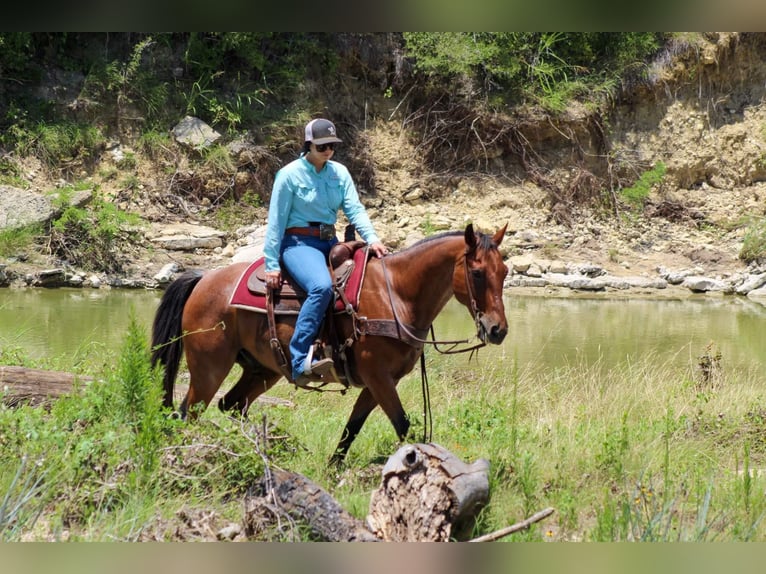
424	277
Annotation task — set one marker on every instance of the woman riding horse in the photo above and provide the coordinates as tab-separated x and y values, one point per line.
401	296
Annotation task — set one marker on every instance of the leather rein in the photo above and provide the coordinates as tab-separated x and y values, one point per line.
410	338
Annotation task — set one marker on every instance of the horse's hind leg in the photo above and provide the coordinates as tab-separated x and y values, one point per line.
207	372
255	380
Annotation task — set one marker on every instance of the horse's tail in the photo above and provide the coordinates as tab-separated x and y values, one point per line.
167	342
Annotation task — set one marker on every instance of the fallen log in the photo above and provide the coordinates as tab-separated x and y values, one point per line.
283	496
23	385
426	494
36	387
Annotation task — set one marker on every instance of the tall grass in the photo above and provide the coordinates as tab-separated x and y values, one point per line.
636	451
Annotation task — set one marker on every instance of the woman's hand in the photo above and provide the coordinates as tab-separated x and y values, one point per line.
273	279
379	249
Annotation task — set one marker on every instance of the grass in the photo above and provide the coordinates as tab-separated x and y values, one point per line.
19	240
636	451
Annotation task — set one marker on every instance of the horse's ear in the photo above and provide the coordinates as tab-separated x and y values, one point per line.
497	238
470	237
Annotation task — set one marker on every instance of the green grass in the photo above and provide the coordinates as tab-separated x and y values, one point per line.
635	451
19	240
754	242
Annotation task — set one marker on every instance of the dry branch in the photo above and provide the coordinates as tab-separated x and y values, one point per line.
523	525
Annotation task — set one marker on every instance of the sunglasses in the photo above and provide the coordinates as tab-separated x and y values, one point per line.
325	147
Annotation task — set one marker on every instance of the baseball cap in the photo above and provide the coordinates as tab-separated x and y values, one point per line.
320	131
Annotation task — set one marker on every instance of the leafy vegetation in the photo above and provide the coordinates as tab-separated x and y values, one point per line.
548	67
93	237
19	240
754	242
637	193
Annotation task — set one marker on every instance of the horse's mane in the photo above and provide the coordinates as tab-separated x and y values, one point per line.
484	240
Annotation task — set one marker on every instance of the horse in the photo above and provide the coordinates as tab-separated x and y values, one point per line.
406	289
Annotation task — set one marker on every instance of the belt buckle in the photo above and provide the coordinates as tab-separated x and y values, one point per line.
326	231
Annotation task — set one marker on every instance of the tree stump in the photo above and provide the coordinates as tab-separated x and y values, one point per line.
428	494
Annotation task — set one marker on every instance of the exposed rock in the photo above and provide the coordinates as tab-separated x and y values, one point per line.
751	283
19	208
187	237
703	284
166	273
194	133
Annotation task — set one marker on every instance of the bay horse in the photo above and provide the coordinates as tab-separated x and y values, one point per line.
407	288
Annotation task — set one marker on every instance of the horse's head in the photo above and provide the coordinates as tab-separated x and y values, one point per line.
479	285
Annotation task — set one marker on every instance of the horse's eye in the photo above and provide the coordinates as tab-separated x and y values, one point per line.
477	273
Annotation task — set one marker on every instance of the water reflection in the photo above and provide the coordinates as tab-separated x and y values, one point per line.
559	331
544	331
52	322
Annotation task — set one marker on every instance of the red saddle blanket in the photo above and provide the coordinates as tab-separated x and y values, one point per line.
244	298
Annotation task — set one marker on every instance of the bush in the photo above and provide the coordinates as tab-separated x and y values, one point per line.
754	242
92	238
637	193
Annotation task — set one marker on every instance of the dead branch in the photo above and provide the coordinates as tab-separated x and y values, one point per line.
523	525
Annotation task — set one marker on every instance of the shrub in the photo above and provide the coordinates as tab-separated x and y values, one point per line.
91	237
754	242
14	242
637	193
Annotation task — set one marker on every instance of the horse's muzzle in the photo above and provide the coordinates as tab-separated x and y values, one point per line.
490	331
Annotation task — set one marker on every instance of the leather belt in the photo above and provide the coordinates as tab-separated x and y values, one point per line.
310	231
322	231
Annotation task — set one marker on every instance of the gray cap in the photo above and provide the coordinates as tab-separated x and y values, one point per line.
320	131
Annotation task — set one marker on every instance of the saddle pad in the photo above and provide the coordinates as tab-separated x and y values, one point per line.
243	298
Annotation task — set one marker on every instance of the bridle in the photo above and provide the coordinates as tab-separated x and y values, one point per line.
473	307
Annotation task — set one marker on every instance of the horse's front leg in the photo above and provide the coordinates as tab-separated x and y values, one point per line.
362	408
377	392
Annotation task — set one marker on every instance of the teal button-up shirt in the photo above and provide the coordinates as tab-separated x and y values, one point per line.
301	195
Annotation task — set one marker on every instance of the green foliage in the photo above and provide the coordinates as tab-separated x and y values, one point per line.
233	213
204	99
16	51
23	500
613	449
754	242
637	194
10	173
155	144
217	158
551	67
19	240
237	75
91	237
56	144
131	83
140	399
427	226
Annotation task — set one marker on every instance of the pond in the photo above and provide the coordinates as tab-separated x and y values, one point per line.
544	331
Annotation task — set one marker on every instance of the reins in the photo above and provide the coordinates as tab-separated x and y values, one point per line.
428	423
402	327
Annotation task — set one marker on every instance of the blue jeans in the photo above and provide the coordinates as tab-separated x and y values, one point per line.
305	258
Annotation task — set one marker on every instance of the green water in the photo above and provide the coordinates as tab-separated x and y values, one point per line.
551	332
51	322
544	331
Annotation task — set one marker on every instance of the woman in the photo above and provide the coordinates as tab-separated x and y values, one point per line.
305	199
